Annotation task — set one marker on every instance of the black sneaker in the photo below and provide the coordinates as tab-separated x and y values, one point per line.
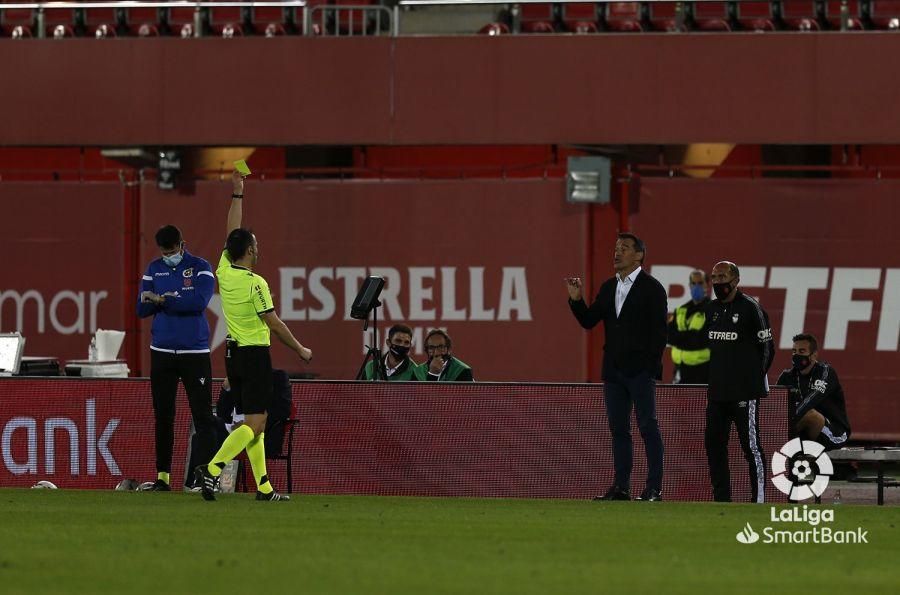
650	495
207	483
272	496
615	493
159	486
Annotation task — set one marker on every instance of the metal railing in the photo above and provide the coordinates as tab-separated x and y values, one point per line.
341	20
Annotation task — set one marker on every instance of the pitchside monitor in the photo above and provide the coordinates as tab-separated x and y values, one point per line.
11	347
367	298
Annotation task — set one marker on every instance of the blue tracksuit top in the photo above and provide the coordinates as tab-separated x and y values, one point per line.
179	325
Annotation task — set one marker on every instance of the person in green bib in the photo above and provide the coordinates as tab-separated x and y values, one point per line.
688	329
441	364
398	366
250	315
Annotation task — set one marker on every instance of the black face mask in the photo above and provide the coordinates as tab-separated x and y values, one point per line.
400	351
800	362
722	290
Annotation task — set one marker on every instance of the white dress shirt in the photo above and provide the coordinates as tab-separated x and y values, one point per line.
388	370
623	287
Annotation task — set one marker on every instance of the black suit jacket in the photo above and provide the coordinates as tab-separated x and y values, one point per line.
635	340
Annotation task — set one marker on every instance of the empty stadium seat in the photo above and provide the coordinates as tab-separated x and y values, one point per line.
17	23
226	21
536	18
580	18
667	16
854	14
180	21
710	16
101	22
755	16
143	22
885	14
494	29
800	15
623	16
272	21
60	23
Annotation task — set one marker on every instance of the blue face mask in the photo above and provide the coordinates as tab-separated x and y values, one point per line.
173	260
698	292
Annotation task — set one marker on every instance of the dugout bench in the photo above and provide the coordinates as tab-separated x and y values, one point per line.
879	455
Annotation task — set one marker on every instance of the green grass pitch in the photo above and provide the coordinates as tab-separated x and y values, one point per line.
115	542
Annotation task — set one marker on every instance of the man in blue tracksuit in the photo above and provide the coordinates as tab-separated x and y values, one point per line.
175	291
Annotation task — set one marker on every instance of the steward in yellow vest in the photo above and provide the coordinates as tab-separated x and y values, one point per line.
688	336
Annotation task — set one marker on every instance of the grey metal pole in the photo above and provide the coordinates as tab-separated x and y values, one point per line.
197	21
40	24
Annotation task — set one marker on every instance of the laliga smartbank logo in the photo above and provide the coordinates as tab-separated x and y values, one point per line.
801	470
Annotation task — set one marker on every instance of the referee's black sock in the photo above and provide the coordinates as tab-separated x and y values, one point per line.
256	452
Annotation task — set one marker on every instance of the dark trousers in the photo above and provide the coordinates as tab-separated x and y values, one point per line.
195	372
620	392
693	374
745	417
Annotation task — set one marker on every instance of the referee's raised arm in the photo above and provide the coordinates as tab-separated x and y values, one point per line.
236	211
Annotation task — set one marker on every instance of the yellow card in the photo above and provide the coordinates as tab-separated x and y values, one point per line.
241	166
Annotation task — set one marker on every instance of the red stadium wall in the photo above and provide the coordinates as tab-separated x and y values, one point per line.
657	89
478	440
510	243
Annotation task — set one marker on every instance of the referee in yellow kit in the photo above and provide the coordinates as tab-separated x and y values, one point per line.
250	315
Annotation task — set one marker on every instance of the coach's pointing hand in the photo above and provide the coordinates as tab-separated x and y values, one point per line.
574	285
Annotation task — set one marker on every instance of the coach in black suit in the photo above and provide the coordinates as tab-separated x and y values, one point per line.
632	306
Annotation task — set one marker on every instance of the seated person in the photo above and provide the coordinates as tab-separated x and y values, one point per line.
441	364
397	363
818	411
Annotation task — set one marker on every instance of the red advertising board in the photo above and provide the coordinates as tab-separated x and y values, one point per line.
410	439
82	433
822	256
64	257
484	260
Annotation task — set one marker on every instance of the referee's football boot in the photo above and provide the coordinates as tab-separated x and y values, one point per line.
615	493
159	486
650	495
273	496
207	483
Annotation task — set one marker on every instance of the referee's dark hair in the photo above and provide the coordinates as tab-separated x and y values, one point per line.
639	245
399	328
811	339
168	236
442	333
238	242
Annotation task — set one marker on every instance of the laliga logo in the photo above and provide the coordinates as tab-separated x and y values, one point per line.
801	469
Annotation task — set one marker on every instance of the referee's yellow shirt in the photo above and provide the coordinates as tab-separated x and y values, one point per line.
245	296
